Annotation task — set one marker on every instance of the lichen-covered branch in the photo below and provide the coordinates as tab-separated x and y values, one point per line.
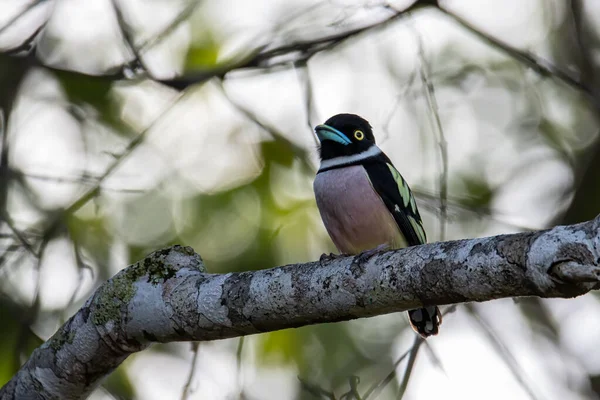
168	296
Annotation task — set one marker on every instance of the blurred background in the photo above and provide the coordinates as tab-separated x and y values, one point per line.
132	125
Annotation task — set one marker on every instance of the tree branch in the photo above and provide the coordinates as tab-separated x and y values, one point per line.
168	296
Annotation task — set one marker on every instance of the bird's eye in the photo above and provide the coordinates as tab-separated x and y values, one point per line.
359	135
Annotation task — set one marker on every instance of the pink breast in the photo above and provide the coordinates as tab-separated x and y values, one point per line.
354	215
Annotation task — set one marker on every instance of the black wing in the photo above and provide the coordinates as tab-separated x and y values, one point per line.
397	197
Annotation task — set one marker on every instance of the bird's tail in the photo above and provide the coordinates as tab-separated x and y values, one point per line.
425	321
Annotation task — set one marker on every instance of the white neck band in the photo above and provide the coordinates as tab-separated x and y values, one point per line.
344	160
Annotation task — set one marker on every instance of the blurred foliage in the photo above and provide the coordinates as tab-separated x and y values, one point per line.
202	54
17	341
285	346
83	89
119	384
8	343
476	192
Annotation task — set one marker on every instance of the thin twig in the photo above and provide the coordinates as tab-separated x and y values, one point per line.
586	65
388	120
503	351
81	267
385	126
304	77
4	179
18	234
238	357
352	394
27	44
34	309
4	169
439	133
10	259
376	389
130	41
409	366
540	66
435	359
297	150
301	49
316	390
181	17
188	390
135	142
425	200
307	48
83	179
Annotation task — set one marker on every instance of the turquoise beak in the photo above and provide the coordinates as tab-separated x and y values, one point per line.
326	132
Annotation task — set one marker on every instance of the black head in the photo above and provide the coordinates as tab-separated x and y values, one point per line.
344	135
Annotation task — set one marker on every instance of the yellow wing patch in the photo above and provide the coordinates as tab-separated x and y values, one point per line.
402	187
418	229
413	205
408	198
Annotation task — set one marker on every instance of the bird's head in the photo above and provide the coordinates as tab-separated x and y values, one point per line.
344	135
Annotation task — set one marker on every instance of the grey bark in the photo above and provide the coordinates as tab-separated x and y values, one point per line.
168	297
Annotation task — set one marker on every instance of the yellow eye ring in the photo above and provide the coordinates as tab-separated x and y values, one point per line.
359	135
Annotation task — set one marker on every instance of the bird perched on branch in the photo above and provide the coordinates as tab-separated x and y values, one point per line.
363	200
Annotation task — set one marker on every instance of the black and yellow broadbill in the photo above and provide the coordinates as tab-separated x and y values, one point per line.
364	201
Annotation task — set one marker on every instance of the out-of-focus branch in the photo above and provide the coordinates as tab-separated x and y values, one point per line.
180	18
377	387
504	353
168	297
188	389
129	39
300	51
539	65
585	62
290	54
409	367
131	146
27	44
297	150
262	57
440	138
306	82
14	70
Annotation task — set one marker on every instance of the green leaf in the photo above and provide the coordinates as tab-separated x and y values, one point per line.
202	54
8	343
85	89
94	91
477	192
554	135
119	384
282	347
14	337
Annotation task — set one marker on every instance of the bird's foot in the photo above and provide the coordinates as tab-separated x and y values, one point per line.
330	257
366	255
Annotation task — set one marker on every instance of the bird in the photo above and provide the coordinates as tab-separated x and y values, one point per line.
364	202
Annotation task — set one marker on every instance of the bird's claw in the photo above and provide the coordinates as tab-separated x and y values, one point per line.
366	255
330	257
